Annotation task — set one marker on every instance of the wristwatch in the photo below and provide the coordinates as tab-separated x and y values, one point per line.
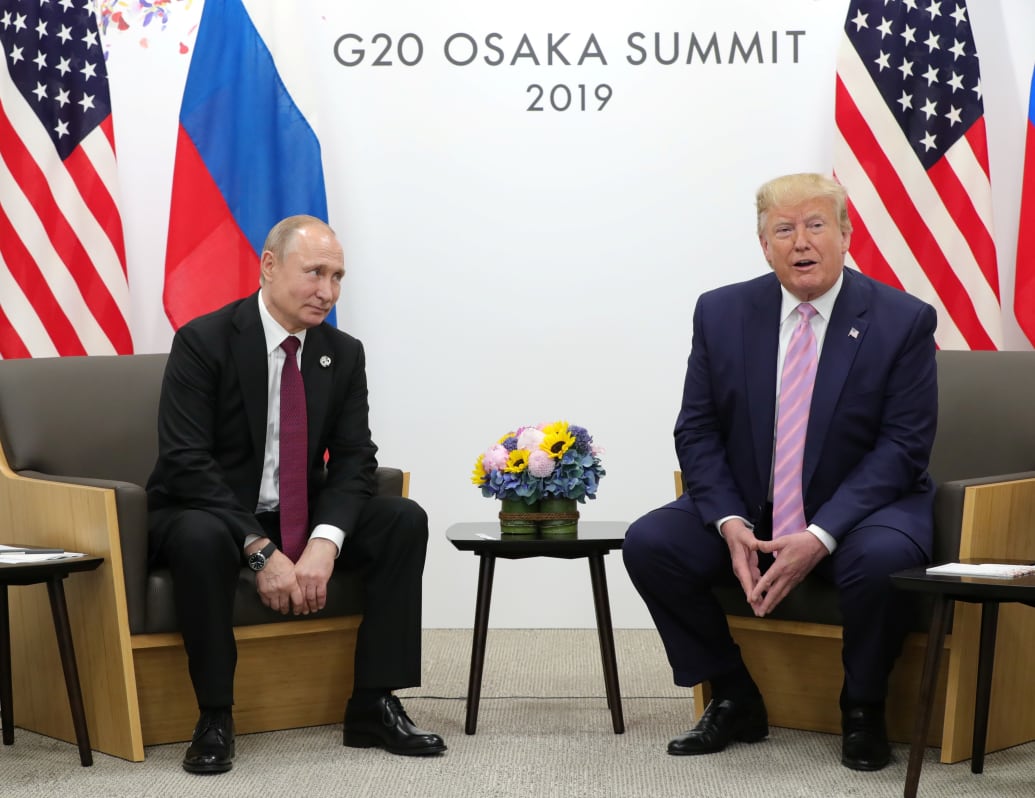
257	560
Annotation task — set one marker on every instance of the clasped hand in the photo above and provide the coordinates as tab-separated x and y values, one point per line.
299	588
796	555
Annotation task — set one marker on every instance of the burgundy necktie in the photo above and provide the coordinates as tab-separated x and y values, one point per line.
799	375
294	498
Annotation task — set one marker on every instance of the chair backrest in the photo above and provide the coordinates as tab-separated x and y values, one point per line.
82	416
986	415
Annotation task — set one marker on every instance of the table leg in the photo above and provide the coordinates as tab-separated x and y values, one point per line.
935	642
983	693
481	630
607	640
59	609
6	693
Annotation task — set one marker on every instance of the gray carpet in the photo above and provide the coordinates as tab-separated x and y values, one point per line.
543	730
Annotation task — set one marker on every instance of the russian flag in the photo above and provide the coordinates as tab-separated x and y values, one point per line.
246	157
1024	285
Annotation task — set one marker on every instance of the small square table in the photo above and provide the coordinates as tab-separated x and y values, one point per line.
989	593
53	573
593	540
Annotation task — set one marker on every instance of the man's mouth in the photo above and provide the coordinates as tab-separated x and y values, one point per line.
804	263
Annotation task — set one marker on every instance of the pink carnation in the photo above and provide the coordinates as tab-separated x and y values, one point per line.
530	438
540	464
496	457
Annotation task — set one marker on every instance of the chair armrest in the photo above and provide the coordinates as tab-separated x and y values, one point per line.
129	556
973	517
392	481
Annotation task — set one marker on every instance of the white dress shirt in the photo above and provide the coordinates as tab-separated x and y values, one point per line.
269	485
789	319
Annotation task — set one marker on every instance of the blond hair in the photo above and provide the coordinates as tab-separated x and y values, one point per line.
799	188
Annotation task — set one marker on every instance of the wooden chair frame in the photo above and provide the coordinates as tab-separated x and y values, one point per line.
136	688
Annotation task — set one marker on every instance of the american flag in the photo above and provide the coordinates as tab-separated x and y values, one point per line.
911	150
63	285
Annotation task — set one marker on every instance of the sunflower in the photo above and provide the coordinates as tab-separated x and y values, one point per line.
517	462
478	475
558	439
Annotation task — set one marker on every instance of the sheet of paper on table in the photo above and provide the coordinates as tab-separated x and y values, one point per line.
989	570
26	554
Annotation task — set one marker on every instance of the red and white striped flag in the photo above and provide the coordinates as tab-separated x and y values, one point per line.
911	150
63	286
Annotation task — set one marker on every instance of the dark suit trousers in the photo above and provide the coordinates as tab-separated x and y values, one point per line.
387	547
674	561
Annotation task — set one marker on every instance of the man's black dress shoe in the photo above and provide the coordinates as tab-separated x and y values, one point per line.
385	724
722	722
212	744
864	739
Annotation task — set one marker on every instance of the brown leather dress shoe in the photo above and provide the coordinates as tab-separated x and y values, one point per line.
386	725
722	722
212	744
864	739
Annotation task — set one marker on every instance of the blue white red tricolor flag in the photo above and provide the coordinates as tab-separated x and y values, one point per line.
1024	289
911	149
246	157
63	286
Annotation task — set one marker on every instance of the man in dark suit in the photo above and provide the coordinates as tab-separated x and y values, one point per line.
862	495
214	497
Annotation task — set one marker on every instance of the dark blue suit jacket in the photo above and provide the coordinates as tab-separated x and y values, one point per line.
871	424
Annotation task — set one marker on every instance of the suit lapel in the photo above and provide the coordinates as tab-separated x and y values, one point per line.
761	345
845	333
317	372
248	348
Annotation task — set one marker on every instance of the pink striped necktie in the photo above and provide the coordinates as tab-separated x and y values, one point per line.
799	375
294	495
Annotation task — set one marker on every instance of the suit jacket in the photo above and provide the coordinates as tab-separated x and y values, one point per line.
872	419
212	421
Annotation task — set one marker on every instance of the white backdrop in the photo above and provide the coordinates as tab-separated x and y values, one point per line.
508	266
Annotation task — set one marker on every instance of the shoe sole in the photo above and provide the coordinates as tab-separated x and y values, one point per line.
205	770
359	740
746	736
865	767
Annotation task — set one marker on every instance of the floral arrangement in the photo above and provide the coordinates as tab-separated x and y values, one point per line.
548	461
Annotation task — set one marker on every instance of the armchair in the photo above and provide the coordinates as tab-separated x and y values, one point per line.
983	464
78	439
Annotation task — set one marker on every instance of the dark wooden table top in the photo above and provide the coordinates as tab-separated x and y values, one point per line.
485	537
29	573
974	588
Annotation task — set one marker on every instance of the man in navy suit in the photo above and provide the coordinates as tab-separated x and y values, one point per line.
865	492
214	495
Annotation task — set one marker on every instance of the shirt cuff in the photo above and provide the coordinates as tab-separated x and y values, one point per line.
824	537
331	533
725	518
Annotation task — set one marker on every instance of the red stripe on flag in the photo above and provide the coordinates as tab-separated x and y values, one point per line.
865	249
910	225
11	344
209	262
961	208
27	274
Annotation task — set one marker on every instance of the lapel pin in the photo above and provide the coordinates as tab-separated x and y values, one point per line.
325	361
853	333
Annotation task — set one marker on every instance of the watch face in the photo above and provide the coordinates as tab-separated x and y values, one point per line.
257	561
